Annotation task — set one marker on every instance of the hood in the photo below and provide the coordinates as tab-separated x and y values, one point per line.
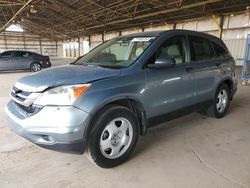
64	75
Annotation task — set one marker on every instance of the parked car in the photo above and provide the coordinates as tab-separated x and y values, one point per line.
23	60
113	94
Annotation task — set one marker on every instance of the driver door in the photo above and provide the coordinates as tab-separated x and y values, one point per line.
170	89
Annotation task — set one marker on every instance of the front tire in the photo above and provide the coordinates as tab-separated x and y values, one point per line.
220	104
113	137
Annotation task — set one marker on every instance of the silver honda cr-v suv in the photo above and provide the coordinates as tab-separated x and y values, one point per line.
102	102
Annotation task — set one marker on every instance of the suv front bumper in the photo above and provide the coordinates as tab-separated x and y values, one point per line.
53	127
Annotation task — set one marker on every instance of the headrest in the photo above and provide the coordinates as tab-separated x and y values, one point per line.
174	50
139	51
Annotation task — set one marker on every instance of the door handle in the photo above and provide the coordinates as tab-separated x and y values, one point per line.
188	69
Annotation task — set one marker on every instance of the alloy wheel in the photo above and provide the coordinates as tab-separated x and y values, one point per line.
222	101
116	138
36	67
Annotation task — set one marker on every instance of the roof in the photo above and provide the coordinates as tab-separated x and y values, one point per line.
20	51
144	34
63	19
175	31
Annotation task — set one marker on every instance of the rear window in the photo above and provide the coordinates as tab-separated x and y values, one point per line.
32	54
220	51
201	48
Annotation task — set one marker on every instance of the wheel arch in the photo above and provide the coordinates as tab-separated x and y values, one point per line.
229	82
130	102
33	62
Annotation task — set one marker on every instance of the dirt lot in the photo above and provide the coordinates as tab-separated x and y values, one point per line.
192	151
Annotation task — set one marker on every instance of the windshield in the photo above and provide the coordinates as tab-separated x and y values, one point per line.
116	53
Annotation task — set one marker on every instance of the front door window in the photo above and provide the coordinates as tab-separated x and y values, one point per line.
175	48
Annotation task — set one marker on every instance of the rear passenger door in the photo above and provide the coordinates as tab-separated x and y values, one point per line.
207	68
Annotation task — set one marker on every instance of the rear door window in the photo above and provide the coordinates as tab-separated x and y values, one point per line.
201	48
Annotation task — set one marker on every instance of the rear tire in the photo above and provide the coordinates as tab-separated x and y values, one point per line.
220	104
34	67
113	137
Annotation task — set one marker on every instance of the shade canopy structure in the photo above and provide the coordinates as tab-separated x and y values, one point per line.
63	19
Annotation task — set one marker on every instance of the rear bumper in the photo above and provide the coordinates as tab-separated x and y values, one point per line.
57	128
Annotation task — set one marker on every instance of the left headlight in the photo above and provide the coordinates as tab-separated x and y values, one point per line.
62	95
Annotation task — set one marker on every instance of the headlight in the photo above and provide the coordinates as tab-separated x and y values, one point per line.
62	95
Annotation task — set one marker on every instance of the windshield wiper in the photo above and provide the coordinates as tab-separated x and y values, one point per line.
103	66
93	64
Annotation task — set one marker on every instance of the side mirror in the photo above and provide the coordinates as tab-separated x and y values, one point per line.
163	63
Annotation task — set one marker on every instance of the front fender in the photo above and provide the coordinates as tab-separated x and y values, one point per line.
100	100
93	102
106	91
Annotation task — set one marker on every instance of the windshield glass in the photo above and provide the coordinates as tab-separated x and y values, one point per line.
116	53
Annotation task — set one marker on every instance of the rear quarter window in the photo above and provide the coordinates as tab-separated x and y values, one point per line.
201	48
220	51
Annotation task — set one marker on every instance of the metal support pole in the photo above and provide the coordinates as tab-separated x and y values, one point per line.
89	42
24	43
56	48
219	25
103	37
5	43
40	45
79	49
70	50
174	26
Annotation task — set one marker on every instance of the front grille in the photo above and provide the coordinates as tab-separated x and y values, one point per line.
27	111
15	96
19	90
23	101
19	94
